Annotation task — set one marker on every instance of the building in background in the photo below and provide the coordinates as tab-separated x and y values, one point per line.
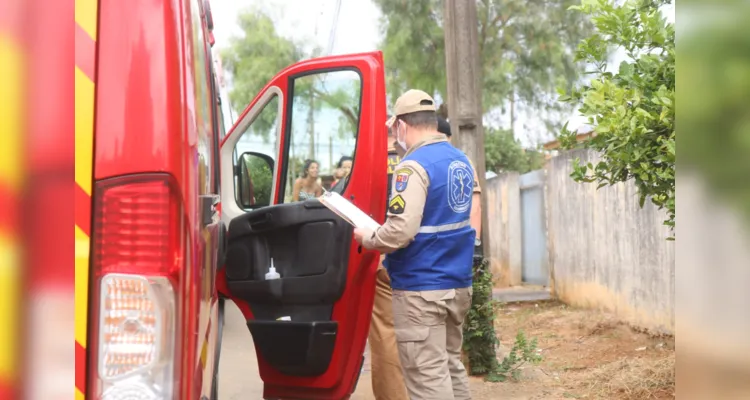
551	148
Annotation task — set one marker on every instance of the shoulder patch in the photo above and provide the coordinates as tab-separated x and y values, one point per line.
397	205
402	179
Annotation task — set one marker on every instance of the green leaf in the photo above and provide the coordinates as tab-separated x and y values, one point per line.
635	138
523	55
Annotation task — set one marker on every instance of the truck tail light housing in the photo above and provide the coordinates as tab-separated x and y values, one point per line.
137	277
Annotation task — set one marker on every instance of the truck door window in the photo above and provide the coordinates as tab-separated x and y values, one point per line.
321	134
256	153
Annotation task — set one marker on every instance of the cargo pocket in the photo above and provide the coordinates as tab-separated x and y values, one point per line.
410	341
432	305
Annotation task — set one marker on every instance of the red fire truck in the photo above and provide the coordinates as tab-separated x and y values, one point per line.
159	190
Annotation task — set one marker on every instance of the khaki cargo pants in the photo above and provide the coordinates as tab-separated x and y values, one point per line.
387	378
429	333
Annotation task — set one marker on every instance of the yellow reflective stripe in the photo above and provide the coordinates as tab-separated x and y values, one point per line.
84	130
9	315
11	175
82	282
11	113
86	16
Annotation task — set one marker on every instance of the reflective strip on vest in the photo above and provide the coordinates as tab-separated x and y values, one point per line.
444	228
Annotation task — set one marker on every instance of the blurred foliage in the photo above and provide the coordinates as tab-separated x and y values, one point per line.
345	98
527	50
260	53
266	124
261	176
632	109
714	97
503	153
253	59
480	340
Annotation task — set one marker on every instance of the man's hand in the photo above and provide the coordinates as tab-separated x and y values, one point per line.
360	234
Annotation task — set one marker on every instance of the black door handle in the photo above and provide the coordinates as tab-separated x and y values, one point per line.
258	222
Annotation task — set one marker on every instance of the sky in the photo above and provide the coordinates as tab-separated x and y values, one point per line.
358	30
308	20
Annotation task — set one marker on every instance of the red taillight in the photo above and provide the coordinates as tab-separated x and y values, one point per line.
137	228
137	274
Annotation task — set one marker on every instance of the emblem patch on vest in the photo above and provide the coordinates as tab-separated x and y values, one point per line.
460	186
397	205
402	179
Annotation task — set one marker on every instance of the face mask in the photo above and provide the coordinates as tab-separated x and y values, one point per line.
401	141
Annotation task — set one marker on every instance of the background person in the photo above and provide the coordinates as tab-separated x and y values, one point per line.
307	186
385	367
343	169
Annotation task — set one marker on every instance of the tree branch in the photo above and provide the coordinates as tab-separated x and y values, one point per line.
347	111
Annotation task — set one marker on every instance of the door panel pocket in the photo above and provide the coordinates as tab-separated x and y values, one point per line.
295	348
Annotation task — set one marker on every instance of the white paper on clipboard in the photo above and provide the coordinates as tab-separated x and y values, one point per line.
348	211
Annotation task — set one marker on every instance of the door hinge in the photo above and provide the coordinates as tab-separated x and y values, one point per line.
209	213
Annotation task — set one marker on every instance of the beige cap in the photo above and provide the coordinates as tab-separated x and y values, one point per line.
412	101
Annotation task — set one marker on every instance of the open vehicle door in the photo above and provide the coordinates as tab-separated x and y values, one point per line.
319	109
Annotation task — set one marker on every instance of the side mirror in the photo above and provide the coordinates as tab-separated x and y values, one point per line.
253	176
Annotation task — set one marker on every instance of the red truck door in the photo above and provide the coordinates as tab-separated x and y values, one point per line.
310	326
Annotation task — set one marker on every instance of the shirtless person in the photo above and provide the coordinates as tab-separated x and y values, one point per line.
307	187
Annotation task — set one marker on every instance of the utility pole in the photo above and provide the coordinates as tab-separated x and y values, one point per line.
311	124
463	67
332	34
330	152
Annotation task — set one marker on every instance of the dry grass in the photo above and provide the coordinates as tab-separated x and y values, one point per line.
632	379
587	355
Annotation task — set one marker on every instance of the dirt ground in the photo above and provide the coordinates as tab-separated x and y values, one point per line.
587	355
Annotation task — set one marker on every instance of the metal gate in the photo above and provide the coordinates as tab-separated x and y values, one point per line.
534	259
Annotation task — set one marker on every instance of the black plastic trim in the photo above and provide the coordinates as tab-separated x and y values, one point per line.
310	248
295	348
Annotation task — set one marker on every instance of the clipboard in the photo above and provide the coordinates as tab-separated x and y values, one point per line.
348	211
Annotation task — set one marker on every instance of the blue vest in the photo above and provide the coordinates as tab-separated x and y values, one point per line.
441	255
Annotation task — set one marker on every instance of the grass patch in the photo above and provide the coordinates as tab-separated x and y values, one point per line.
632	379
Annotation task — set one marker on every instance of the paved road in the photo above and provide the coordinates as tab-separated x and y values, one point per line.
238	369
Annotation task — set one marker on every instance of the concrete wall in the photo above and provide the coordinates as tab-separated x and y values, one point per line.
504	218
605	251
712	289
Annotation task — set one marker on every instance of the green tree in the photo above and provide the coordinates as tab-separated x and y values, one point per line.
632	109
527	50
262	179
253	59
503	152
259	53
714	96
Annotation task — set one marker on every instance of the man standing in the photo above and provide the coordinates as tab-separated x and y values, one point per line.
430	245
386	374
